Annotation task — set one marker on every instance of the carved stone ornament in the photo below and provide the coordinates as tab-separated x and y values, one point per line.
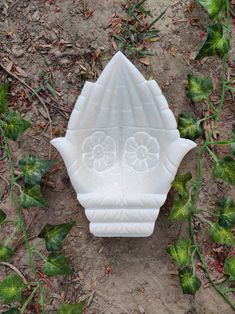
122	150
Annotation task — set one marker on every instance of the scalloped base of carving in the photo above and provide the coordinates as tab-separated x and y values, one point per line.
122	222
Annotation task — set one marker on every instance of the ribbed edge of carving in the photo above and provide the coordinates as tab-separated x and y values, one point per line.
122	222
119	201
121	215
122	229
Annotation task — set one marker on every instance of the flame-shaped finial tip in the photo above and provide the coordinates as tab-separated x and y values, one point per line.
118	66
120	56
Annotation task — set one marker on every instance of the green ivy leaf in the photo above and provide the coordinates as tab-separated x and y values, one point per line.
54	235
11	288
229	267
3	98
56	264
216	42
2	216
183	209
199	87
13	125
181	252
188	281
188	126
227	212
71	308
180	183
232	145
6	253
221	235
12	310
215	8
32	197
33	169
225	170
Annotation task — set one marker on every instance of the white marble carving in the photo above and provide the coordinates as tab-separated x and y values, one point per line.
122	150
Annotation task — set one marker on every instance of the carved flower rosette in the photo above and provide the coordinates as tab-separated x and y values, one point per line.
99	151
141	152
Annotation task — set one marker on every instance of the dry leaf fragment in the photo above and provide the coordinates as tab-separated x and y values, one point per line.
9	66
88	14
108	270
42	124
9	34
145	61
114	45
172	51
21	72
56	131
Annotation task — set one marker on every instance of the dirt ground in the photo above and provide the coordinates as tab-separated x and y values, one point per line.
56	39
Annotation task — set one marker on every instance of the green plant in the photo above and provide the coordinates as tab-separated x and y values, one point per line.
11	288
221	221
11	123
25	193
133	34
71	308
46	84
215	8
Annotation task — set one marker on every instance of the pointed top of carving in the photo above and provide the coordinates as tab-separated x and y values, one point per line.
122	97
119	61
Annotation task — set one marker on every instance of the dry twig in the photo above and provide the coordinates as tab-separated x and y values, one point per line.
16	270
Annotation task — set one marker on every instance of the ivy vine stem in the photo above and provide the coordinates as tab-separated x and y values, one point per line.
199	178
192	260
205	267
39	254
206	118
229	290
21	219
214	157
27	302
222	285
211	105
5	222
219	143
230	87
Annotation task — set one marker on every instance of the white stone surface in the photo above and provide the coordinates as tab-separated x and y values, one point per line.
122	150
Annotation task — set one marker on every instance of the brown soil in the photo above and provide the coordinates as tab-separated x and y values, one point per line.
54	38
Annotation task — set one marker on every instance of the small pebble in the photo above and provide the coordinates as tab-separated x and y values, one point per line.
17	51
141	309
65	61
36	16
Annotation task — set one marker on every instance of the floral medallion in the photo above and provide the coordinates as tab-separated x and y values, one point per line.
141	152
99	151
